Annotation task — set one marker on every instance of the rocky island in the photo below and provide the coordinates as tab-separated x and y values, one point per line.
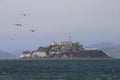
64	49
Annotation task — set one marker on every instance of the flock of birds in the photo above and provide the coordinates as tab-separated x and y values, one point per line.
19	25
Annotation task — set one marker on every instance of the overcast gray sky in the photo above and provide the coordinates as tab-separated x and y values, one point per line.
87	21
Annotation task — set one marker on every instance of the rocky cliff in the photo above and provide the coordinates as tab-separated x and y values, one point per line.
64	50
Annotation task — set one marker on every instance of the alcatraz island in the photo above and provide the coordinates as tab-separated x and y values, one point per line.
64	49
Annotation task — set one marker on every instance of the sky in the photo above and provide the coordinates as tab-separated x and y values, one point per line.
86	21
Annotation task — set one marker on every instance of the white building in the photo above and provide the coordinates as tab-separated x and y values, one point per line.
39	54
25	55
61	43
87	49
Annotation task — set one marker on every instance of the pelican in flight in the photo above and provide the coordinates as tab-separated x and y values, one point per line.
18	25
12	39
24	14
32	30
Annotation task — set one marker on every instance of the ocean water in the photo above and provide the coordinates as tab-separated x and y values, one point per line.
60	69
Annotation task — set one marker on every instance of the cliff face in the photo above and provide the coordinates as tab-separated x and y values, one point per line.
64	50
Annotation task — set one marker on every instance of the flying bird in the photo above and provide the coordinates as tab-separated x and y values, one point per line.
24	14
32	30
18	25
12	39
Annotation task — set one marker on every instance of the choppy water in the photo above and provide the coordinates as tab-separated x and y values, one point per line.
60	69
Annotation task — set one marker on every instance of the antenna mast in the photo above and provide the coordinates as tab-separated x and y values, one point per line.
69	38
